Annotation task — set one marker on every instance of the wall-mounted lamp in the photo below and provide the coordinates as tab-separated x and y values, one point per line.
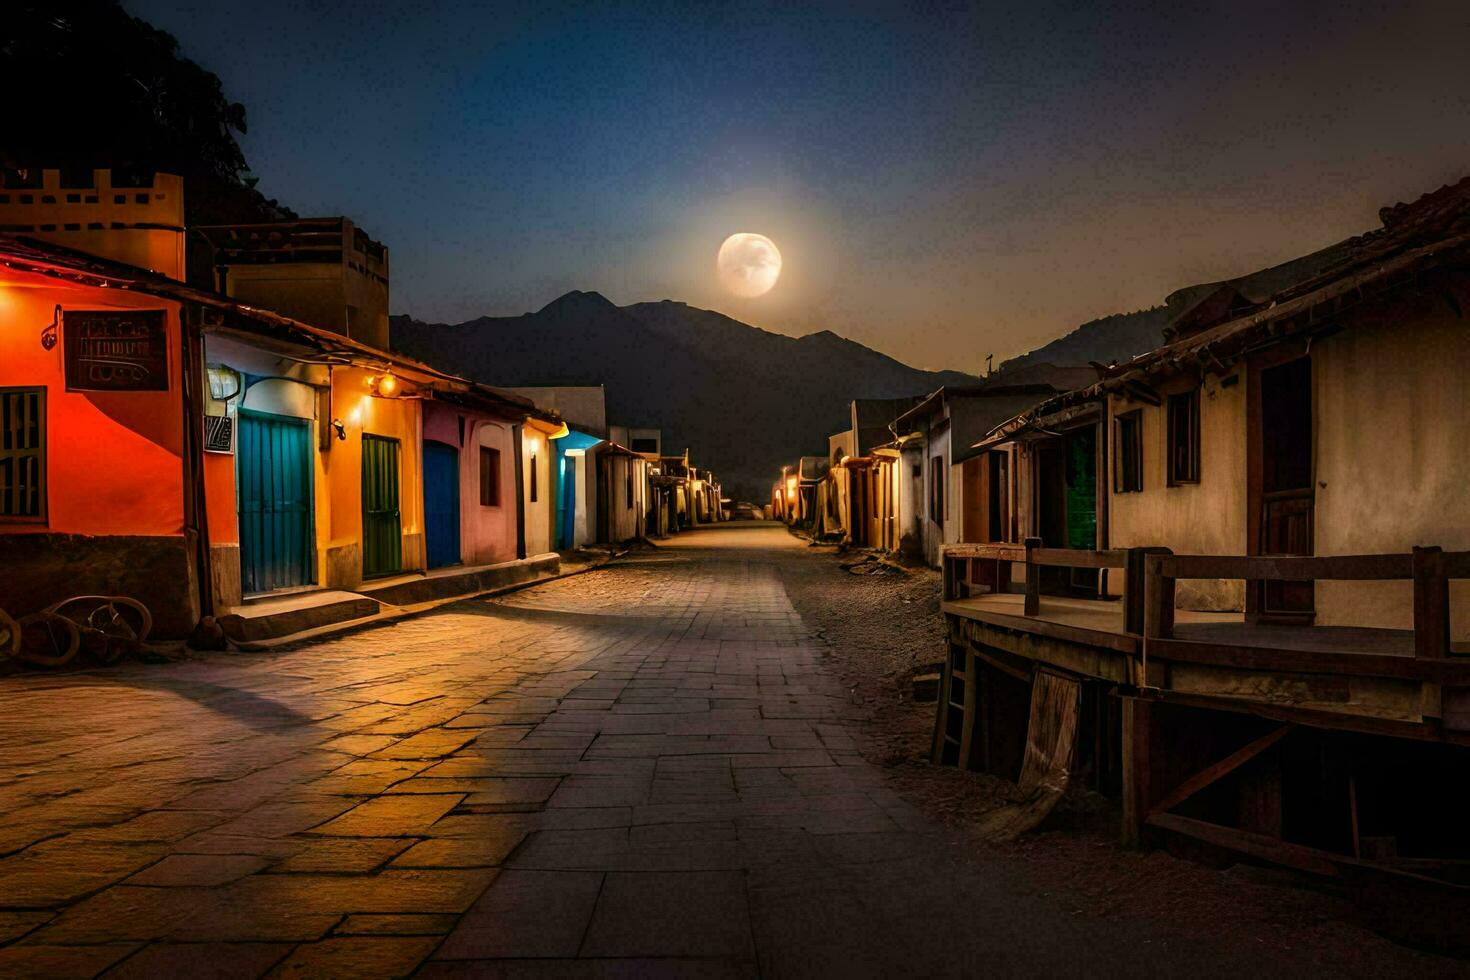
224	383
48	332
340	429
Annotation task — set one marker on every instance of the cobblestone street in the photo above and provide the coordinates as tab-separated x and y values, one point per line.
644	769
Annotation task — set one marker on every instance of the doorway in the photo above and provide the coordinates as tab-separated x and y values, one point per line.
1282	500
274	482
382	535
441	503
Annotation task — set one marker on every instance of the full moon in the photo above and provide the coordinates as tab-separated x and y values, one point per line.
748	264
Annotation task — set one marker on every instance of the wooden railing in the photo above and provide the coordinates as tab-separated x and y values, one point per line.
1430	569
988	566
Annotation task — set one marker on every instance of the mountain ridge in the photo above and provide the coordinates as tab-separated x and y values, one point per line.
744	400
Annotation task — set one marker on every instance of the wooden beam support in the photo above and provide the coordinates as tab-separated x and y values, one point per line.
1219	770
1431	623
1033	578
1137	768
1158	599
1308	859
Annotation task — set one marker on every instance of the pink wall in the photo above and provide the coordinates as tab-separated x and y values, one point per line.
487	534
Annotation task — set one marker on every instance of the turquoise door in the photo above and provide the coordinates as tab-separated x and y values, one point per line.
566	500
273	474
382	535
441	503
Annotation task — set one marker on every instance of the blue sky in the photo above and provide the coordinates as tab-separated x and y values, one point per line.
943	181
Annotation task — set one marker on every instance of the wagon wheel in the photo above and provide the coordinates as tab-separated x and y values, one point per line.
111	626
47	640
9	636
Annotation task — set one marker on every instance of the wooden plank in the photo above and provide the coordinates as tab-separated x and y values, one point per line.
1120	642
1457	564
1307	859
1316	717
1000	552
1445	671
1002	666
1289	568
1076	558
1137	768
1219	770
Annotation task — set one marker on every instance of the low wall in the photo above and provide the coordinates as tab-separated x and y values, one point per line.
40	569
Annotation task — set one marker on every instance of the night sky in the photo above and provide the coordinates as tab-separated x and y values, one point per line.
942	182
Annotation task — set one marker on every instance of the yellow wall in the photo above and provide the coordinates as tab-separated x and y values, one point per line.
339	477
142	226
536	452
1392	447
1207	518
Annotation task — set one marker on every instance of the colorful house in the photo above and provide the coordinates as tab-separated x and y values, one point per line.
173	445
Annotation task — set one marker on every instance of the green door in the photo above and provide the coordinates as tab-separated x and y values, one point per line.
382	536
273	473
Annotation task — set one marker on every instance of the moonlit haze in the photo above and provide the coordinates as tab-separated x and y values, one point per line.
748	264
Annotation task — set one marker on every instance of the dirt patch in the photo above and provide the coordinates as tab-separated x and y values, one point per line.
883	626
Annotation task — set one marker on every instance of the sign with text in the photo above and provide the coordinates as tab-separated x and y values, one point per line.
116	350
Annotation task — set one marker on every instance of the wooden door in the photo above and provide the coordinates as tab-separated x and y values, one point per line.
382	533
274	484
441	503
974	496
1282	500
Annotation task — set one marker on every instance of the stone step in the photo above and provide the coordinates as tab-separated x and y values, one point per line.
272	617
444	583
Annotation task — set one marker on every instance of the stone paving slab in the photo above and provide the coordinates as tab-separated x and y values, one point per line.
643	771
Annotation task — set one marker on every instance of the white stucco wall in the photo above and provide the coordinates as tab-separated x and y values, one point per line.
1205	518
1393	452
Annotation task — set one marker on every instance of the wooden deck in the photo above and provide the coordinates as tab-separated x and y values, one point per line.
1102	616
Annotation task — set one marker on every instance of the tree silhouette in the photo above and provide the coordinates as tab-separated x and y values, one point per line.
89	85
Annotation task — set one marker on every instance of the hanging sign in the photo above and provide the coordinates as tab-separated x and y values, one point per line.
115	350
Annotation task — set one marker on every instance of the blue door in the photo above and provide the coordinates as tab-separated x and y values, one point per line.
441	503
566	501
273	473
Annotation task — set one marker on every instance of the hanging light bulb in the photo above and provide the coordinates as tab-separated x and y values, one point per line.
385	385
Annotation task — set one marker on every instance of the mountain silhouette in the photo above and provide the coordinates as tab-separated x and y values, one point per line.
743	400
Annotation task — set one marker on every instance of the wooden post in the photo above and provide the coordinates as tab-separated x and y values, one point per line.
1033	578
1431	621
1158	599
1137	768
1134	575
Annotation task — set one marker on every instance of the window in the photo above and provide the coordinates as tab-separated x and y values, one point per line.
936	489
534	494
1184	438
1127	453
489	477
23	453
644	446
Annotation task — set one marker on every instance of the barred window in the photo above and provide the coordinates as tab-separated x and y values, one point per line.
23	453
